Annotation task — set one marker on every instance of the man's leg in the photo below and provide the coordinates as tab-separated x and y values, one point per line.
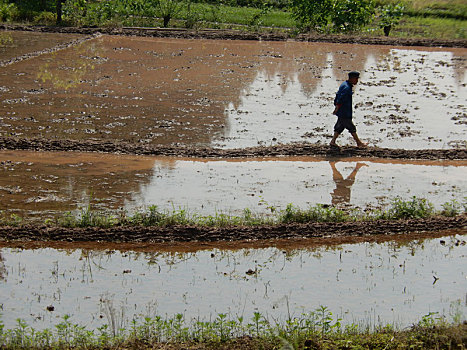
358	141
334	138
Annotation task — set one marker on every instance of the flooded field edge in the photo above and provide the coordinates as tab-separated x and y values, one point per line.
241	35
55	48
293	149
196	246
183	233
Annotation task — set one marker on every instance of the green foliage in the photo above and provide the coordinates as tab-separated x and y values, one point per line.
8	11
453	208
318	213
389	16
48	18
317	329
168	9
416	208
332	15
311	14
350	15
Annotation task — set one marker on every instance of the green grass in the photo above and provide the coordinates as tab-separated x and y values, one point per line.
438	19
425	27
414	208
318	329
432	8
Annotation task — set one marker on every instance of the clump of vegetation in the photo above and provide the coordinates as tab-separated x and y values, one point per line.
430	18
318	329
390	16
414	208
8	11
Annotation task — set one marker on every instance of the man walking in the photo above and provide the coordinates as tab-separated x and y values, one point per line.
343	110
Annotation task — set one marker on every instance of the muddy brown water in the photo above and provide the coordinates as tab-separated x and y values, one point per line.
193	95
233	93
395	281
46	184
21	44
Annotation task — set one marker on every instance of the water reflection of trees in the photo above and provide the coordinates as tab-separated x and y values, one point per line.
165	91
62	183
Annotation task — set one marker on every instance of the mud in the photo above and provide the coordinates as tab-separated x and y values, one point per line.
295	149
206	234
28	45
233	94
240	35
182	104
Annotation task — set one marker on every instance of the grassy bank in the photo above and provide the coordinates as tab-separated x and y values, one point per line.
315	330
414	208
422	19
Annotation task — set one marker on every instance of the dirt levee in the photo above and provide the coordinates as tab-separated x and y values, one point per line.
206	234
294	149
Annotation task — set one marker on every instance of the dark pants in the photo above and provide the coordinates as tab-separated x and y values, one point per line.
344	123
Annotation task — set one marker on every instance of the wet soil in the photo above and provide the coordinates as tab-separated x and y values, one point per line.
200	234
237	233
240	35
294	149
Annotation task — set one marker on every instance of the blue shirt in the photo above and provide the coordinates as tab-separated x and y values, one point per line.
344	98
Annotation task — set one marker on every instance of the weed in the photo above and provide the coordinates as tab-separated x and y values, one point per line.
311	330
416	208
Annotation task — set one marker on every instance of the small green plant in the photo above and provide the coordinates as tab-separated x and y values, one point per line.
416	208
47	18
452	208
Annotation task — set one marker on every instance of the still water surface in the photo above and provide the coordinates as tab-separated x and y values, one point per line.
234	93
45	184
386	282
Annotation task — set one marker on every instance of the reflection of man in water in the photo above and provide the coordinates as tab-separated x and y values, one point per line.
342	192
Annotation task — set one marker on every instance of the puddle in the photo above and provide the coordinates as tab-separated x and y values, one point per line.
234	93
15	43
44	184
372	283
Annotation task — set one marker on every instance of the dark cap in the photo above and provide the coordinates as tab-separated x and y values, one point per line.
354	74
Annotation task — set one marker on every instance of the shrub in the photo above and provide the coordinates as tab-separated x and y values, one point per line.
8	12
350	15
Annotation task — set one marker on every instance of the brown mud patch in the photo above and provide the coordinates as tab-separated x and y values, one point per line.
287	245
20	56
293	149
182	233
240	35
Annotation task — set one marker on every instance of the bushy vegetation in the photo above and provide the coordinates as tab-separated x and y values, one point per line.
318	329
445	18
414	208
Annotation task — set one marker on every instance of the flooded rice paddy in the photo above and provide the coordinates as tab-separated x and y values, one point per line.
226	94
394	282
233	93
49	183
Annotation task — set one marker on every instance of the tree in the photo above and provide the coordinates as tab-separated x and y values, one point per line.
59	11
335	15
167	9
311	14
349	15
389	16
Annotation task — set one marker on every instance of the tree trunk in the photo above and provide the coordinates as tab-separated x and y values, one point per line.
387	29
59	11
166	20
